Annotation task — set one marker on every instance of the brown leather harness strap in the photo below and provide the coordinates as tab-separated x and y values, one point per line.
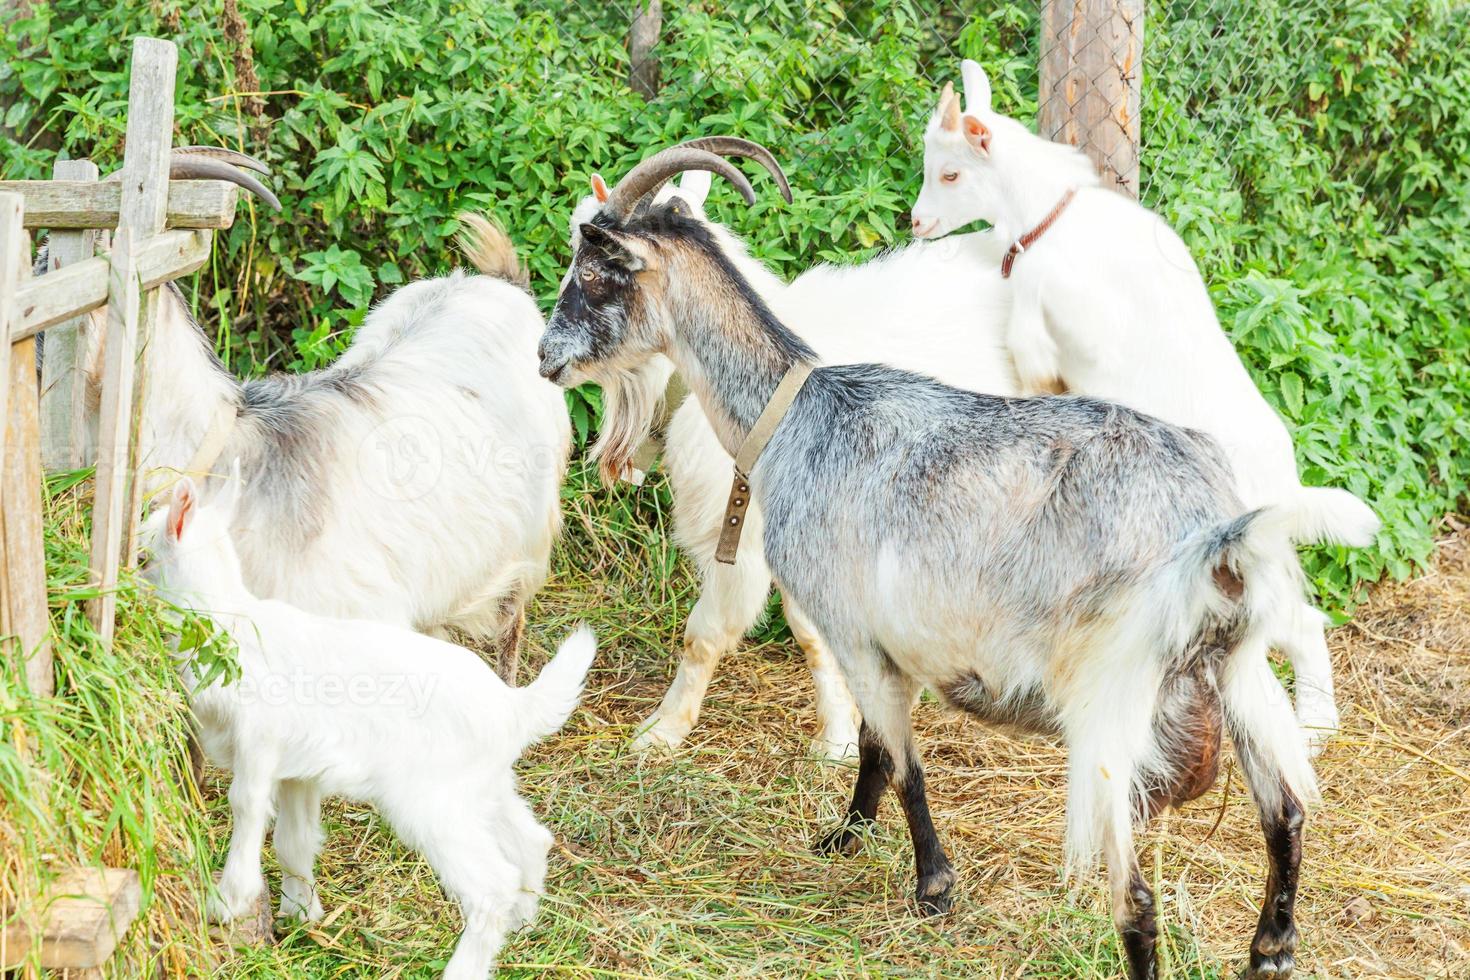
1027	240
750	451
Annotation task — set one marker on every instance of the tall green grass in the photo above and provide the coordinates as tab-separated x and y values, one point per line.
96	775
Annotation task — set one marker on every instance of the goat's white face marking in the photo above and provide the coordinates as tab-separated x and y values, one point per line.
958	187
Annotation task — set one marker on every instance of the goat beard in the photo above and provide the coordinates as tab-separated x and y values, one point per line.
630	402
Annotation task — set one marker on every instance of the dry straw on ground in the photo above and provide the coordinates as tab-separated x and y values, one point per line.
700	865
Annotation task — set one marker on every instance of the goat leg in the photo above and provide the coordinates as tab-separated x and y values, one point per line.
875	770
508	647
1274	947
936	875
1136	917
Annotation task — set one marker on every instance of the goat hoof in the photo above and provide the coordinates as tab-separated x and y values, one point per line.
934	892
1276	967
844	840
658	737
1317	739
293	910
835	746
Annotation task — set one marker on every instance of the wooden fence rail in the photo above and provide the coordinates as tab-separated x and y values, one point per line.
163	230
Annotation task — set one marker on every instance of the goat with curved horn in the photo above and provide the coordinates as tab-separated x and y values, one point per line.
184	165
735	146
232	157
216	163
650	174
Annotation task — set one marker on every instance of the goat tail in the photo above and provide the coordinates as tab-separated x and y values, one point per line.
489	249
1255	581
548	701
1321	515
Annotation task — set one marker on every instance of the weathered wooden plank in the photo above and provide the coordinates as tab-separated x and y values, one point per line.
1091	80
23	555
13	242
63	382
78	923
78	204
172	254
20	504
83	288
130	315
60	295
643	66
119	369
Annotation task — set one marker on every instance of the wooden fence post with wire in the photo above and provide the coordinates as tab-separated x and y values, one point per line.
164	230
1091	77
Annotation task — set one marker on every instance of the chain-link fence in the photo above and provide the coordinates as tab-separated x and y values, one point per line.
1138	86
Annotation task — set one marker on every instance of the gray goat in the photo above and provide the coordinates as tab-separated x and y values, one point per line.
1062	565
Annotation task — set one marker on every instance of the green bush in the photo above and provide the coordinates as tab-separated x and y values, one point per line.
1313	157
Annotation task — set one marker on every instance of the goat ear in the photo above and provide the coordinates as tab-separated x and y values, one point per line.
594	235
977	134
629	251
599	188
181	508
694	186
977	87
949	109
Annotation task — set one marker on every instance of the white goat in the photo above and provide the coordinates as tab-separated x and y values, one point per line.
951	305
421	728
1109	302
415	481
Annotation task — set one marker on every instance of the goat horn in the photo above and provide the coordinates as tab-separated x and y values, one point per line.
734	146
228	156
650	173
185	166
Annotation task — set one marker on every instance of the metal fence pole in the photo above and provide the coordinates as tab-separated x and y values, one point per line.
1091	75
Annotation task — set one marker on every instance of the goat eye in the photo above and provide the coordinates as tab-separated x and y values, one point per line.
950	176
588	275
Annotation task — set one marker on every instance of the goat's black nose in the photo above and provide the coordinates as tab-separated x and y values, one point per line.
553	365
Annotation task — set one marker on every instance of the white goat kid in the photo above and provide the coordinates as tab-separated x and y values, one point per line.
1108	302
419	727
951	295
415	481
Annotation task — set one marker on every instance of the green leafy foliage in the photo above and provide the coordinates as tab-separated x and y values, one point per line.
1313	156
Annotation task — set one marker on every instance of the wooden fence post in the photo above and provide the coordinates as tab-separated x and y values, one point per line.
1091	76
63	378
23	557
642	39
129	312
12	234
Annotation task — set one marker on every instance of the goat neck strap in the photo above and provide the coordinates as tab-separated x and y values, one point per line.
750	451
1027	240
221	427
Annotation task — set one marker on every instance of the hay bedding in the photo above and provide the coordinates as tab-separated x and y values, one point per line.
700	865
